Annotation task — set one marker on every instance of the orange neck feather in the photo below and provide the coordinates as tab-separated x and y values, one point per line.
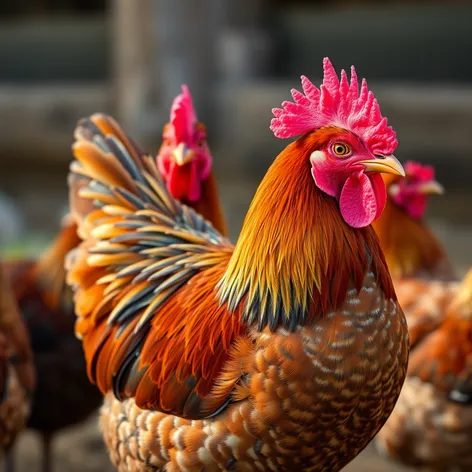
296	256
209	205
410	247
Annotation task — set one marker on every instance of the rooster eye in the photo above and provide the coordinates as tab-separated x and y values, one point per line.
201	142
341	149
166	142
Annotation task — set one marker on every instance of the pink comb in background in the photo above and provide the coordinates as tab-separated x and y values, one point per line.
335	103
183	116
418	171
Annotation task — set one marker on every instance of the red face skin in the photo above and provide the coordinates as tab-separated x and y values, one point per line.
411	193
347	170
184	164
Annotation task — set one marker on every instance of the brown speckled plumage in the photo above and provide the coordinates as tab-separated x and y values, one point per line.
291	408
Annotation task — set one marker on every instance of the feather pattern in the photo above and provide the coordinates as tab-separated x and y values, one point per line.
268	276
148	254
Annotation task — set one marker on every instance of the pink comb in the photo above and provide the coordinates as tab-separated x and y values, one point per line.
335	103
183	116
421	172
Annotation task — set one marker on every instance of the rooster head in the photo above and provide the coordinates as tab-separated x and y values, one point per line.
184	158
411	193
347	142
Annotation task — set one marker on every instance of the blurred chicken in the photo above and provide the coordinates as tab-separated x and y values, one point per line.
184	159
63	395
428	427
410	247
185	162
286	352
17	377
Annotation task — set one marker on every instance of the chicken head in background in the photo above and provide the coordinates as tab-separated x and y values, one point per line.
410	247
185	162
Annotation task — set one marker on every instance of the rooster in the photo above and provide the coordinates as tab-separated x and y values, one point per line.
428	427
286	352
64	396
17	375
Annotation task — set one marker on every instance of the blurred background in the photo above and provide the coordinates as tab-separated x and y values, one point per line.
65	59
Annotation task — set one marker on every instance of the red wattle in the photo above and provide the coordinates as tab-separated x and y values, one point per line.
183	182
178	181
362	199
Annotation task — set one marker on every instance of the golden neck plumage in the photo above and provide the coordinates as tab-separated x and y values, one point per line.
296	256
410	247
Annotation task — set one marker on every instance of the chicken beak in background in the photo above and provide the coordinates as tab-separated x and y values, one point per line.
431	188
182	154
386	165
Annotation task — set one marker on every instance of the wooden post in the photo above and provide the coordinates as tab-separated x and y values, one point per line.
244	47
159	45
186	33
134	79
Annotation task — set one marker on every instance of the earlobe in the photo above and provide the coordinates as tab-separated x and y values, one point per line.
317	156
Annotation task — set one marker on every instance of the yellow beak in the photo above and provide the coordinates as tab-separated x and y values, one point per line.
182	154
387	165
431	188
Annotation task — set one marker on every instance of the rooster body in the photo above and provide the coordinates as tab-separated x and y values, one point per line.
285	352
431	425
290	420
17	376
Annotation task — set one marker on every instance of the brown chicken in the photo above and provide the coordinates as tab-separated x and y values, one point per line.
17	376
410	247
431	424
63	395
286	352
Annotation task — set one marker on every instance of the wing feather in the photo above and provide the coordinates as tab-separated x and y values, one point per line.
144	279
